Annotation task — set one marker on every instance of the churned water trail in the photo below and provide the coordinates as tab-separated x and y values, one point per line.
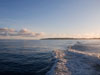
82	62
77	59
59	67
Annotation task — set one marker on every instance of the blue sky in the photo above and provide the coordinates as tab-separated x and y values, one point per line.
51	16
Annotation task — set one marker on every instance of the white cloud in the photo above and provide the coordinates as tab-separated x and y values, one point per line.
84	35
21	33
40	34
6	30
27	34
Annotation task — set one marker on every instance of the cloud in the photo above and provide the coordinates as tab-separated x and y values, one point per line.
22	33
40	34
84	35
28	33
6	30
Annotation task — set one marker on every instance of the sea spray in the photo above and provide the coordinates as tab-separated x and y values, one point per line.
59	67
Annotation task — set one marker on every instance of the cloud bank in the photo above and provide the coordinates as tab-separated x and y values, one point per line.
5	32
10	33
83	35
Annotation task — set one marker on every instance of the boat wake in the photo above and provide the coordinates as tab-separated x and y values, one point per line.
59	67
75	62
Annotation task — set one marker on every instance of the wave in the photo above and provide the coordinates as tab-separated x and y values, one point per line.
76	60
82	62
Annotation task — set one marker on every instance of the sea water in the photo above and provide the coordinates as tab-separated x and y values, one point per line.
49	57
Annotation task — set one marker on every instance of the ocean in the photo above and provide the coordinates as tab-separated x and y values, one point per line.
49	57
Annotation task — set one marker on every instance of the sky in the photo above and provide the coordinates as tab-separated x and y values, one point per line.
49	18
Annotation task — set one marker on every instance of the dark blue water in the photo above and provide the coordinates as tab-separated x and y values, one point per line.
29	57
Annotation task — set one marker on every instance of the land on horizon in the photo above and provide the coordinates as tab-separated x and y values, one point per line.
70	39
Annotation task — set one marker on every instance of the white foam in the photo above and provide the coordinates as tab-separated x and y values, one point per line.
59	67
82	63
85	53
75	62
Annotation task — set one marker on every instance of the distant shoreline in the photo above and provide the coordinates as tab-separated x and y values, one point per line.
70	39
57	39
